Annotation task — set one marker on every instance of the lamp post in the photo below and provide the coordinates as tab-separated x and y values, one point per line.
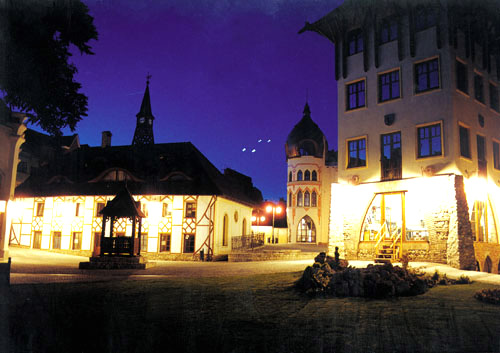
275	210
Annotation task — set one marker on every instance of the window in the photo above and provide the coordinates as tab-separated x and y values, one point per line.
496	155
429	141
190	210
306	231
424	18
462	77
314	201
290	176
144	242
77	209
307	199
77	241
56	240
299	199
357	153
494	98
165	241
144	208
314	176
478	88
37	240
464	142
98	208
289	199
225	230
58	208
116	175
165	212
39	209
188	243
426	75
388	86
388	30
355	42
355	93
307	175
299	175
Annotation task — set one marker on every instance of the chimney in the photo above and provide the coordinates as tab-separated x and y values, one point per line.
106	139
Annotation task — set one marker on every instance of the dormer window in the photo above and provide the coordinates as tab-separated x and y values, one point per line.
141	120
116	175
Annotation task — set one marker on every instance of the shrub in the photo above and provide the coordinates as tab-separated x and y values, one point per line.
463	279
491	296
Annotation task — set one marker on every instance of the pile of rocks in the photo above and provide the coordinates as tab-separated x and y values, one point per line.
376	281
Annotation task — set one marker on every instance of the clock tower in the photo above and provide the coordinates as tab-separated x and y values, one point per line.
144	127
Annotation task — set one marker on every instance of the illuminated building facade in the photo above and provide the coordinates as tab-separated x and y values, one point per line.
190	206
311	171
418	130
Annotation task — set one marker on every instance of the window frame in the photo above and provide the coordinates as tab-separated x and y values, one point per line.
355	37
307	198
314	199
458	64
168	242
78	245
98	208
314	176
365	138
496	154
379	85
479	88
39	208
348	107
430	125
300	175
416	76
185	237
469	149
300	199
387	24
190	209
424	12
495	108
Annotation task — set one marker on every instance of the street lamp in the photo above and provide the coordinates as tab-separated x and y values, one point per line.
274	210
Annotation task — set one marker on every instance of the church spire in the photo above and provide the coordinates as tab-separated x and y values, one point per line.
144	127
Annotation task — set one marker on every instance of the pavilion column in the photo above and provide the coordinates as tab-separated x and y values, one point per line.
134	225
139	245
98	241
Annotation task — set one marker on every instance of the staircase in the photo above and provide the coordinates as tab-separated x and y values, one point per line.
387	247
387	253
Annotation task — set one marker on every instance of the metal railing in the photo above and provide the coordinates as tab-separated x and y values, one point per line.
248	241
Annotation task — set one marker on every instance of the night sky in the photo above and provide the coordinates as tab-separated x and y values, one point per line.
225	74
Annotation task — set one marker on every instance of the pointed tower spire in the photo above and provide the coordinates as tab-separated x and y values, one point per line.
307	111
144	127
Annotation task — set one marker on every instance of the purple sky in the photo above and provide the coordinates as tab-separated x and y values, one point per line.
224	75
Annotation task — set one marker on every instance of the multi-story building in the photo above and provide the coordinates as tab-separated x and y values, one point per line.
311	171
418	130
190	206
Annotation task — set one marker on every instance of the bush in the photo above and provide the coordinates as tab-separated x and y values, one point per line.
491	296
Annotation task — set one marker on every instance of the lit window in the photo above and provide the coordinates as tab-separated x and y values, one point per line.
478	88
388	30
496	155
355	95
427	75
39	209
165	211
307	175
494	98
144	242
77	209
464	142
429	141
462	77
190	210
299	175
77	241
425	18
357	153
307	199
314	176
56	240
98	208
355	41
388	86
299	199
314	199
165	240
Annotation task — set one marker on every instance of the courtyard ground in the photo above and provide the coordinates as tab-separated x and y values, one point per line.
229	307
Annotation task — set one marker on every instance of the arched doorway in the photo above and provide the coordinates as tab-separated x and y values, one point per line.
488	265
306	231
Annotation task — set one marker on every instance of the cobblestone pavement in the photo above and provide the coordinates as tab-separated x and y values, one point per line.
37	266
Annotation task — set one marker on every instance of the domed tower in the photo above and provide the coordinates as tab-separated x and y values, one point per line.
309	176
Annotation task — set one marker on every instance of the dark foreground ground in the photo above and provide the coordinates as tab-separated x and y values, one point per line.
252	313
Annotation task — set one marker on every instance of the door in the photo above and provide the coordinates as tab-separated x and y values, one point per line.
481	157
37	239
390	156
56	240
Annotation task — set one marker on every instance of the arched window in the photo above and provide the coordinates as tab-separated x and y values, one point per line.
244	227
307	199
488	265
306	232
307	175
290	199
299	175
225	230
314	201
314	176
299	199
290	176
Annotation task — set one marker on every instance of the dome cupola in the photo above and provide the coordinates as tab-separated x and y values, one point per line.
306	138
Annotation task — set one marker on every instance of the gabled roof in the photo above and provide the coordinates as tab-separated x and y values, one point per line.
151	168
123	205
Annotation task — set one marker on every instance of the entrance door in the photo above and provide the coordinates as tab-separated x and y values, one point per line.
37	239
385	217
390	156
481	157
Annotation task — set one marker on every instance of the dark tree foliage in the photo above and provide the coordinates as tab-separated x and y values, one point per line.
36	76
